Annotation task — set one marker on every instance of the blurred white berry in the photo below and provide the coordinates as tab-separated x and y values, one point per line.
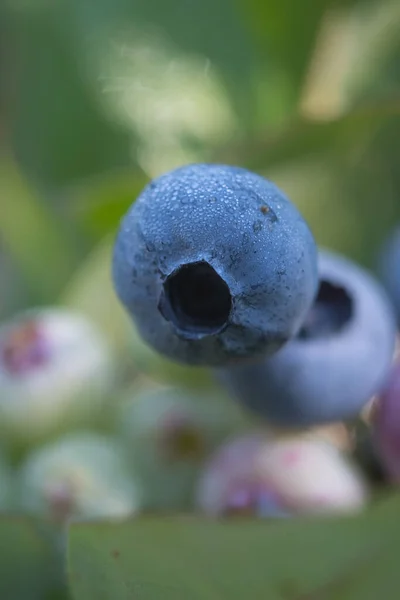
81	476
56	370
280	477
168	434
312	476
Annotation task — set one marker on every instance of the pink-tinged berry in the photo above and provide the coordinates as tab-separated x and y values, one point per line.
312	476
25	349
386	426
56	371
275	477
229	484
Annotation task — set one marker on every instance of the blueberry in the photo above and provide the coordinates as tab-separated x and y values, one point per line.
56	370
214	264
389	268
278	477
81	475
338	360
386	425
168	433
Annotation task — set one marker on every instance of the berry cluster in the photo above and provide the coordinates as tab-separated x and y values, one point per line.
217	269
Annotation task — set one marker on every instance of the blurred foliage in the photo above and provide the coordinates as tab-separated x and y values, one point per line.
99	96
30	565
96	97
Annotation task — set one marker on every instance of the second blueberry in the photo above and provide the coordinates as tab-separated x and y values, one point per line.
339	359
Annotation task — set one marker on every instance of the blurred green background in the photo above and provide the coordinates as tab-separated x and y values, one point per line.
98	96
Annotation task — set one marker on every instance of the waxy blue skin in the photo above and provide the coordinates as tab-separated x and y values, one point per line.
389	268
330	377
247	230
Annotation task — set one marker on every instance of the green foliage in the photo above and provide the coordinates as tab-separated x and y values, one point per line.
183	557
103	95
100	203
30	560
59	132
302	138
25	223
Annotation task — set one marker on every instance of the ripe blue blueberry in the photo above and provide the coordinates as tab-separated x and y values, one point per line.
214	264
389	268
338	360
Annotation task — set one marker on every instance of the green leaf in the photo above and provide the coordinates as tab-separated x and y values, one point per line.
286	31
209	29
171	558
26	224
30	567
58	130
90	292
373	69
297	37
100	203
335	171
302	138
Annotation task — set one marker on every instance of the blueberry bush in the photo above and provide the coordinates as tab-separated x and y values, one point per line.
199	365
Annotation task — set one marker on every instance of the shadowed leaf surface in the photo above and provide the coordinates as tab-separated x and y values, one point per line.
174	558
30	568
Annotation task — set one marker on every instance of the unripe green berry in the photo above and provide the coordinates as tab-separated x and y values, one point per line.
168	434
82	475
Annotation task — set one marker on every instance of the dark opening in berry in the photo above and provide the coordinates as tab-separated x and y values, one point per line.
196	300
331	311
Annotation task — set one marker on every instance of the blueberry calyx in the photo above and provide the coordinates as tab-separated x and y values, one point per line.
196	300
332	310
